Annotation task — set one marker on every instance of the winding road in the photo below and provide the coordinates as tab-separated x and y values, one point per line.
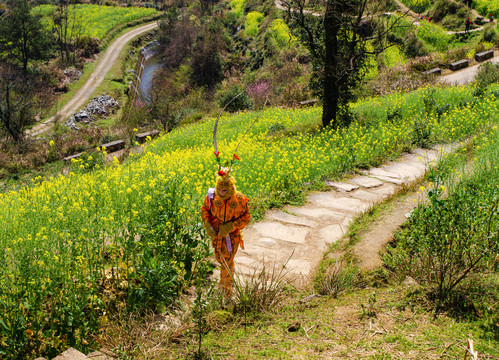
105	64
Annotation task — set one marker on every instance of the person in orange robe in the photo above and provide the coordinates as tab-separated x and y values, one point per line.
225	212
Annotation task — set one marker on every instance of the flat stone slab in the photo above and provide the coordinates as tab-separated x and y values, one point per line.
342	204
341	186
366	196
317	213
113	146
415	161
434	71
332	233
276	230
386	190
142	137
267	242
300	267
379	172
366	181
245	261
279	215
97	355
308	102
427	156
390	179
405	171
71	354
69	158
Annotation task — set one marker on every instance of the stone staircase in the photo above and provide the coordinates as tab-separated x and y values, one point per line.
73	354
295	238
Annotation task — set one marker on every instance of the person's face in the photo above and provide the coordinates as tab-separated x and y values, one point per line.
222	189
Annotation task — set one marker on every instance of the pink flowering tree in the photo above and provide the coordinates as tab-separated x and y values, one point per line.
258	92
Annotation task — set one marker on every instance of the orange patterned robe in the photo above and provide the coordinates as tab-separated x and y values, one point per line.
218	212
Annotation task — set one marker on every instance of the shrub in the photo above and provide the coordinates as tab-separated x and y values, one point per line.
487	7
241	102
433	35
237	7
413	46
398	78
418	6
253	20
441	109
205	61
442	244
281	34
488	73
259	92
443	8
261	291
490	33
421	132
391	57
337	278
394	115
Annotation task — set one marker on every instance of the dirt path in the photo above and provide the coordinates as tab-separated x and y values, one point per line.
83	94
367	250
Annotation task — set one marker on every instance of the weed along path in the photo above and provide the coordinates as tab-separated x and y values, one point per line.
83	94
294	239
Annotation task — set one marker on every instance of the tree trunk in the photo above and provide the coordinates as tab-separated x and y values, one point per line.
331	91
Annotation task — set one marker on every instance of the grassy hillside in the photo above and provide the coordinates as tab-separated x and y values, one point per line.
73	240
385	313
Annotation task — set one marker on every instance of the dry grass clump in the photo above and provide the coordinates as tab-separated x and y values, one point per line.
337	278
264	290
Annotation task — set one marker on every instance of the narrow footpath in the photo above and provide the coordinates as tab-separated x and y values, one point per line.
296	237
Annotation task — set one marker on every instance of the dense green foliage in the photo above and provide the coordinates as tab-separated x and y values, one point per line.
418	6
487	7
450	238
253	19
22	36
433	35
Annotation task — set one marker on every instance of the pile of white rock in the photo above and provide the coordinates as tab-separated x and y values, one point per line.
101	105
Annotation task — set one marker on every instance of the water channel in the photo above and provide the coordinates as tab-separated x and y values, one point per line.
150	66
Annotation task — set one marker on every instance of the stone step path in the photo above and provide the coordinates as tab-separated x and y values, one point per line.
73	354
295	238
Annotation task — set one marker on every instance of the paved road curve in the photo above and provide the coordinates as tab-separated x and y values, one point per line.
105	63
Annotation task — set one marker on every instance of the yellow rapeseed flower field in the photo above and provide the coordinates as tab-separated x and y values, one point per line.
61	229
